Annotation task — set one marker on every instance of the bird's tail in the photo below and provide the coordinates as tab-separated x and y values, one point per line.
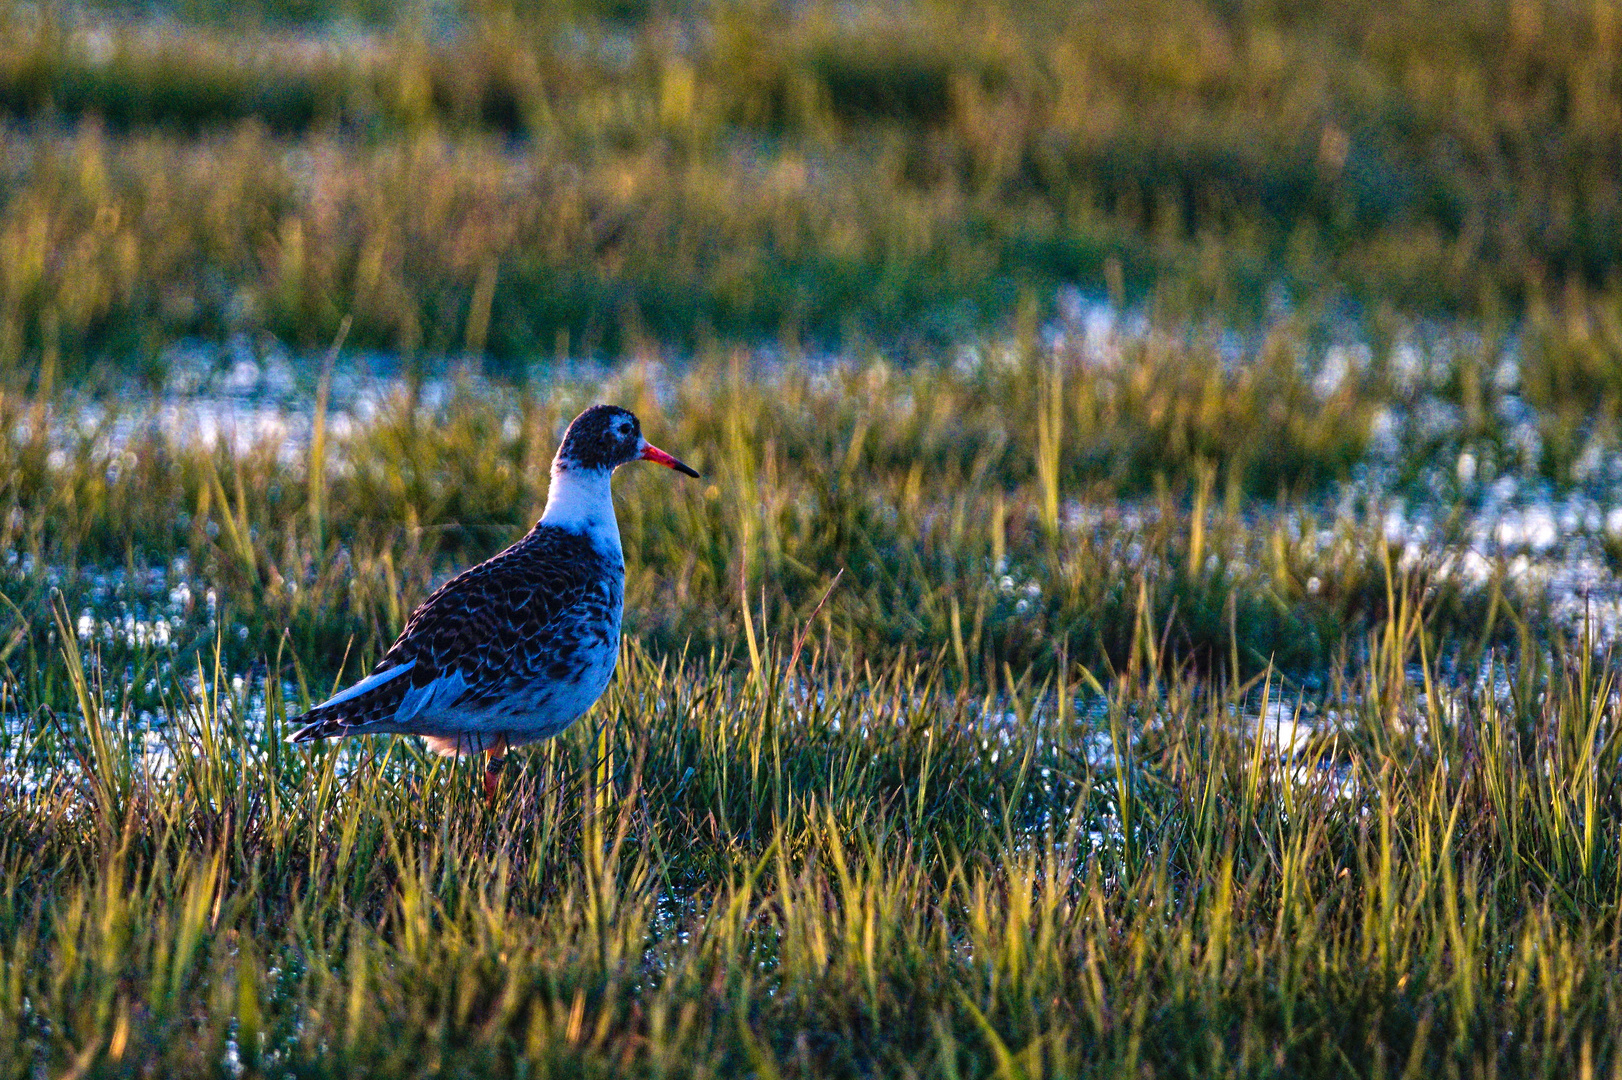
367	708
321	722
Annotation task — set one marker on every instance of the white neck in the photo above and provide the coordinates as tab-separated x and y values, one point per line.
583	500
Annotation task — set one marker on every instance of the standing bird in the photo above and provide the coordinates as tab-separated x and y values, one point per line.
519	647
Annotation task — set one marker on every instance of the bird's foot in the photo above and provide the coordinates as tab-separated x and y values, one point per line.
495	759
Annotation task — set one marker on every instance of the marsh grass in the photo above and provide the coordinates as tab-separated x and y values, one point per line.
942	744
1001	704
799	868
959	527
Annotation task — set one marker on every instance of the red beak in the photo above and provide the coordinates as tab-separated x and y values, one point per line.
651	452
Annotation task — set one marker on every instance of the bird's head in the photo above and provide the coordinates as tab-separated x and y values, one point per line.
604	437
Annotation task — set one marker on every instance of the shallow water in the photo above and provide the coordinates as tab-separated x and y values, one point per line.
1477	512
1480	514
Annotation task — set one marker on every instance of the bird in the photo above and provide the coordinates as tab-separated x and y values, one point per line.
519	647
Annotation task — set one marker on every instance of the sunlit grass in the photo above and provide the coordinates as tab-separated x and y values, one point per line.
802	869
957	525
905	772
1013	696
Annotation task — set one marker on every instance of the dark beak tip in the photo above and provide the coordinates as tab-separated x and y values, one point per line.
654	454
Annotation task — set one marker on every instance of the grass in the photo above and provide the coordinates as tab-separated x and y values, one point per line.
957	527
941	745
727	873
1008	699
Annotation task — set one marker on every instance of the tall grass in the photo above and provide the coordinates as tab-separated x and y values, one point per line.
959	520
805	869
899	775
944	743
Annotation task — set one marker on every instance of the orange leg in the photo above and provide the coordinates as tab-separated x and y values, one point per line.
495	756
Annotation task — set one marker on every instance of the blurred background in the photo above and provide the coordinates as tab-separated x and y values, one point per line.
1040	319
517	181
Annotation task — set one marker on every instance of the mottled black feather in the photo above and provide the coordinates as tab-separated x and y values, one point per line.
500	624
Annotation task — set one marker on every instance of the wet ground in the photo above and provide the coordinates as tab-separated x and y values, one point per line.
1480	512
